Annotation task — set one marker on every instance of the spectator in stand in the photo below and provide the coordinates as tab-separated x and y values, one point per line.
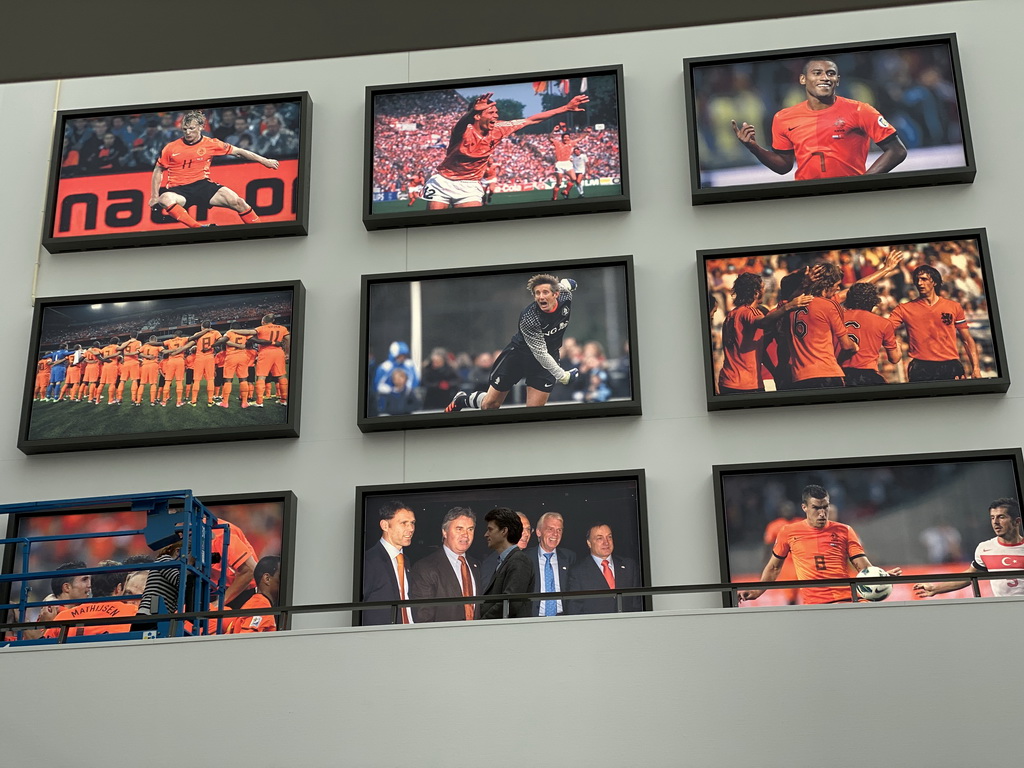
440	380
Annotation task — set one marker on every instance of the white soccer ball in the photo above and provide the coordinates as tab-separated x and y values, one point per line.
876	591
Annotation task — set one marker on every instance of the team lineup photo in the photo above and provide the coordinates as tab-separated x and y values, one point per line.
865	316
216	360
555	140
520	338
548	534
948	514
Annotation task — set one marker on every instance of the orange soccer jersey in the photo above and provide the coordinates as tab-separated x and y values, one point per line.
236	362
467	158
95	611
92	364
931	329
563	149
130	367
239	550
186	163
872	333
109	370
742	347
244	624
174	366
831	142
270	359
815	330
819	554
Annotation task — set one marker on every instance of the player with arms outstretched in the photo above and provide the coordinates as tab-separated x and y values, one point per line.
532	354
186	162
474	137
1004	552
821	549
827	136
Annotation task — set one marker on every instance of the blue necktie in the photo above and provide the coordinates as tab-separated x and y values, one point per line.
549	584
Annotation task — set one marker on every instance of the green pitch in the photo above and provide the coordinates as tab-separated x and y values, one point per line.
70	419
502	198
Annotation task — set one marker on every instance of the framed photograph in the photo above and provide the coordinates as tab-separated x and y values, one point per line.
577	519
262	525
520	342
184	366
184	172
836	118
925	515
863	319
486	148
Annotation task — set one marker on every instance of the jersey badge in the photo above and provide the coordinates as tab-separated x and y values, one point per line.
565	311
947	318
882	122
201	151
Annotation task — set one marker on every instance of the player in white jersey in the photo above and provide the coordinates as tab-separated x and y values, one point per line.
1005	552
578	158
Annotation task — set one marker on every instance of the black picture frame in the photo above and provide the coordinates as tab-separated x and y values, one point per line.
929	113
615	498
962	256
266	518
165	314
411	111
889	501
474	311
98	191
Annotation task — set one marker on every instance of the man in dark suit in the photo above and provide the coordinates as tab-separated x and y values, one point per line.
490	563
385	568
551	563
449	571
514	574
599	570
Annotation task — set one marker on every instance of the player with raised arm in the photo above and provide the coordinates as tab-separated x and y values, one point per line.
186	163
933	324
1004	552
821	549
827	135
532	354
456	182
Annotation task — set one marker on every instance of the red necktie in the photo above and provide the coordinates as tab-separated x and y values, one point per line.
467	587
400	559
608	575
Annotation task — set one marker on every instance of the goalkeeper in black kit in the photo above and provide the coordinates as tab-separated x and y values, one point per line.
532	354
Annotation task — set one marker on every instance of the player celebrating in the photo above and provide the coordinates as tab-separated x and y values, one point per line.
563	147
474	137
932	324
821	549
186	161
532	354
816	331
827	135
871	333
1005	552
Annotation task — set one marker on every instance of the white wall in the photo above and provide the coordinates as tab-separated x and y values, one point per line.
676	440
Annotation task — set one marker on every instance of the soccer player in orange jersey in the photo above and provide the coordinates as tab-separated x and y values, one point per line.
933	324
110	355
414	187
174	368
827	136
236	363
816	331
274	343
872	334
563	147
149	353
130	368
743	336
186	162
489	181
43	366
820	548
106	584
203	368
474	137
76	366
268	592
240	563
91	377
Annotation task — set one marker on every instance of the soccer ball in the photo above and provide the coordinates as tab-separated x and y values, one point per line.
873	592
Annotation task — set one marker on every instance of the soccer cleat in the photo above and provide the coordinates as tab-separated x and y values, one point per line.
163	403
193	405
255	405
222	405
460	401
210	404
282	402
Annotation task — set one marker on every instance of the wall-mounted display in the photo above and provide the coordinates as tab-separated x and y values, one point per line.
520	342
863	319
159	368
187	172
485	148
919	515
835	118
576	532
260	527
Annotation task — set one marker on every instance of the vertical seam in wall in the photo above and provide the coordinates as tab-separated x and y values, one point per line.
35	269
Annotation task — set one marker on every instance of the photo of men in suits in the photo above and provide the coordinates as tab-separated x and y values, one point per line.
514	574
490	563
448	571
600	570
551	563
385	567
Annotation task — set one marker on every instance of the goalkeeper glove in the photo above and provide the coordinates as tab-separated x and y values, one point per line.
567	284
569	375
